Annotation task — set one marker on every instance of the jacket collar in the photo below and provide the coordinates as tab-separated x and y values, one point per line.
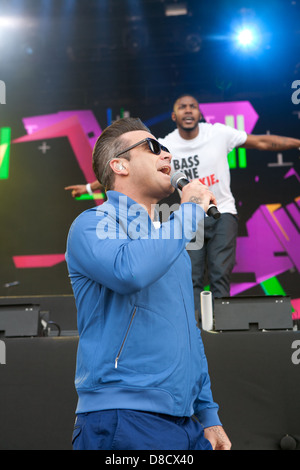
132	216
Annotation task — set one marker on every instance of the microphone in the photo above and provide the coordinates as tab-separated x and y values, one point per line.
179	180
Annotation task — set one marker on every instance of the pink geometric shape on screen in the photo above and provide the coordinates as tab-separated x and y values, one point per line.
86	118
294	212
271	246
286	233
38	261
236	289
71	128
216	112
296	305
256	252
292	172
82	130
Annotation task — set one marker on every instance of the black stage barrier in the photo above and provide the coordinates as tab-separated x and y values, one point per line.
255	379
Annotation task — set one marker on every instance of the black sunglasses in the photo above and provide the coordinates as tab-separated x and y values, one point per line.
154	146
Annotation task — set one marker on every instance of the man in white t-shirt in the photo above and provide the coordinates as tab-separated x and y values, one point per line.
200	150
204	157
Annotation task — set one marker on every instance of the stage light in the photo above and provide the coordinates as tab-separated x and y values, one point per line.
178	9
9	22
245	37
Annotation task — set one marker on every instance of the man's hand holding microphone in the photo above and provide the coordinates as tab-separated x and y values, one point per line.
194	191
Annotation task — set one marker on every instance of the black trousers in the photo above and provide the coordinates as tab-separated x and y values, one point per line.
217	254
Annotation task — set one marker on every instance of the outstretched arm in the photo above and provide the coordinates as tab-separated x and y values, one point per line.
270	142
79	189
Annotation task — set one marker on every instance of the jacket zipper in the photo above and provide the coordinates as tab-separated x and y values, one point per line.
188	370
124	340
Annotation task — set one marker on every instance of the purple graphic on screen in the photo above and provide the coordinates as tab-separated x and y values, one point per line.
81	128
272	244
86	119
217	112
292	172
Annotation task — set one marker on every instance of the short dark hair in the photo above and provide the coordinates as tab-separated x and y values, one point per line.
183	96
109	144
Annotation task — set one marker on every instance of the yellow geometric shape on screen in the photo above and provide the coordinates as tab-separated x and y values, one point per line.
272	208
3	149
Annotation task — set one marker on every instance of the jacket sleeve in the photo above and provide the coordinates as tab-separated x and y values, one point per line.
206	410
127	265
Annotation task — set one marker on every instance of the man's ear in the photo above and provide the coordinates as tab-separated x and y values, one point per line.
173	116
118	167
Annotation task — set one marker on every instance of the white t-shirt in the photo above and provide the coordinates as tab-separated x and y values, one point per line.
205	157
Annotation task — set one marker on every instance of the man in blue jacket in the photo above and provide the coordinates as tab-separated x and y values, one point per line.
141	377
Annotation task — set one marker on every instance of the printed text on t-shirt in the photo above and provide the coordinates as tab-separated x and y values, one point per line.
192	172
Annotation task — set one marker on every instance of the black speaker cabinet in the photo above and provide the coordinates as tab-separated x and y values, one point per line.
20	320
253	313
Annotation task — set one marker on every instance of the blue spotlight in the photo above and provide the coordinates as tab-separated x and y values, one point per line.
245	37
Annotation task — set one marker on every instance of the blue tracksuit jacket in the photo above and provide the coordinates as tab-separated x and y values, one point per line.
139	346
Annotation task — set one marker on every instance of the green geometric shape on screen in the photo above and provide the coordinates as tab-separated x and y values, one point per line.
240	125
232	159
242	158
272	286
5	133
229	121
86	197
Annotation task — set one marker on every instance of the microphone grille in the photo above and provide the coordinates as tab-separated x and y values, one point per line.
175	177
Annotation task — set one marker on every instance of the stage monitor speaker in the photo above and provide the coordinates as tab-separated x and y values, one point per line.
253	313
20	320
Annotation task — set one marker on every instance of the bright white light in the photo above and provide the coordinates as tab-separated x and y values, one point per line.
7	22
245	37
176	9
